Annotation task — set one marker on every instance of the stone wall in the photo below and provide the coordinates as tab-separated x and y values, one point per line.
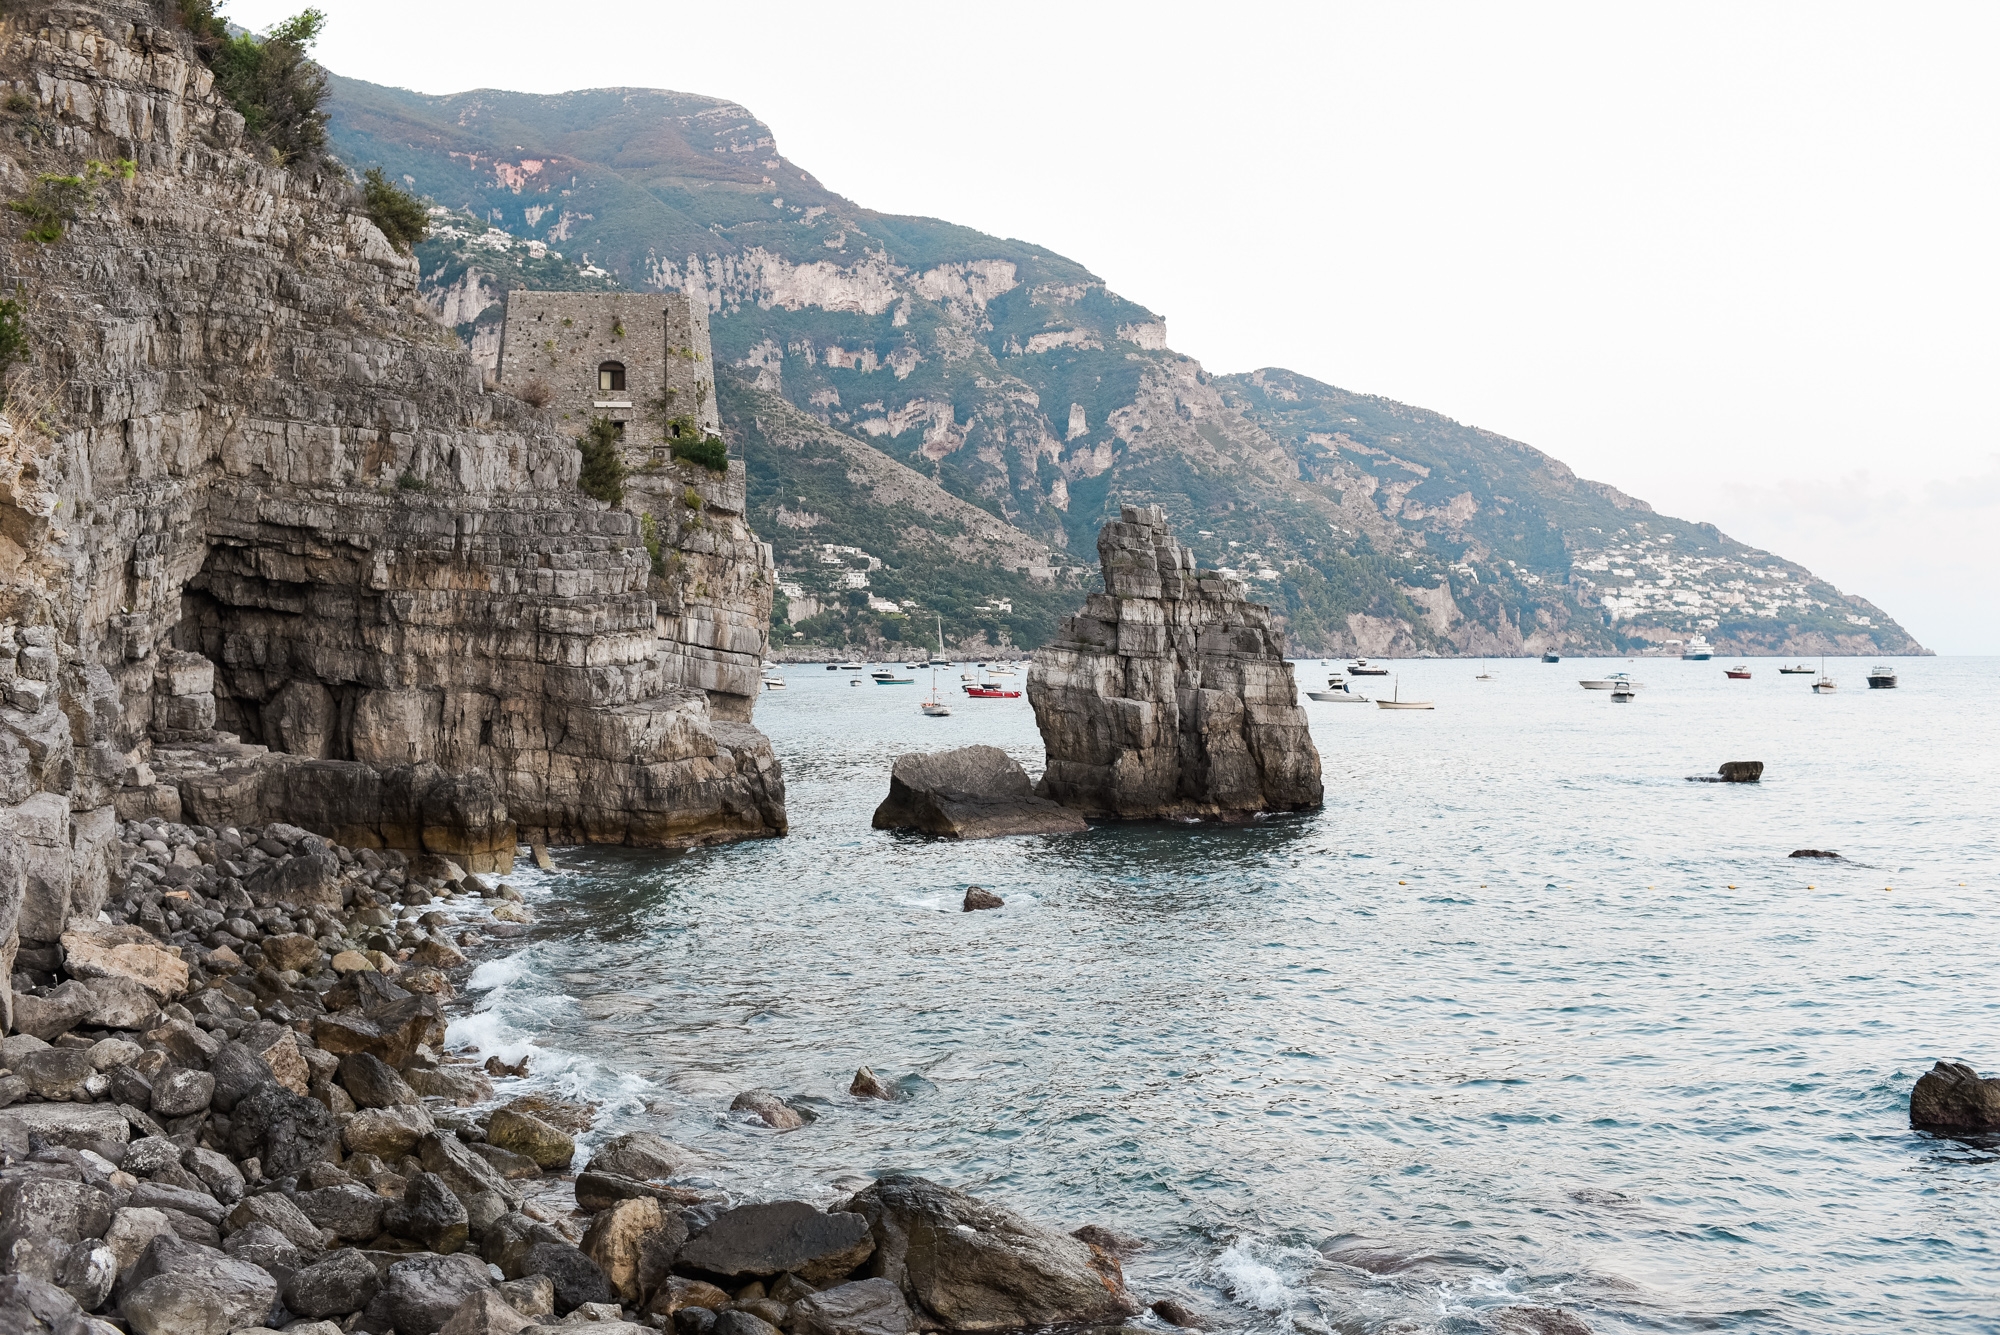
267	540
558	340
1168	696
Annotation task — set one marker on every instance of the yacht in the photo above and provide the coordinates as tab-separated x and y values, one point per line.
1361	667
1614	683
1552	657
1624	692
1338	691
774	683
1795	670
1698	650
851	667
1881	677
1741	672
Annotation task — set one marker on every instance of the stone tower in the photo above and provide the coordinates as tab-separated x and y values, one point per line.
641	360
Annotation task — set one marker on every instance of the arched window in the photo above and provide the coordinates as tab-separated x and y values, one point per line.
611	376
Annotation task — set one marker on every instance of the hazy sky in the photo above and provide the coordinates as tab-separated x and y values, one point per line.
1737	260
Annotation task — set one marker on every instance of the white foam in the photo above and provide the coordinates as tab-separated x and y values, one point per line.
1252	1282
497	973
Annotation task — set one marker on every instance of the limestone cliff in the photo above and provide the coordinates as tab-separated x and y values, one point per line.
1169	696
269	545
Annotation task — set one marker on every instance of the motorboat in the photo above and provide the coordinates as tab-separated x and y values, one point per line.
1698	650
1795	670
833	667
883	671
1611	683
1881	677
1741	672
1552	657
1337	691
774	683
991	691
852	667
1361	667
1398	702
890	679
1624	692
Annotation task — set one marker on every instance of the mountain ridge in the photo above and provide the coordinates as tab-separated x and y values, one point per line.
1011	379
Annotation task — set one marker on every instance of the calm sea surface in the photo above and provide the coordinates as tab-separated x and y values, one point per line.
1521	1018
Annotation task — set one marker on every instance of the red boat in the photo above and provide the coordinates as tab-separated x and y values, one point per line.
991	693
1741	672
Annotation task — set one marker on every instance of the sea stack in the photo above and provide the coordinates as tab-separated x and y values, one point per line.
1168	696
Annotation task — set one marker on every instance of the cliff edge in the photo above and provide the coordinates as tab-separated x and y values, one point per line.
270	547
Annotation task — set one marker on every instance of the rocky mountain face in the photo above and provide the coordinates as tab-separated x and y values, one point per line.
1008	377
272	548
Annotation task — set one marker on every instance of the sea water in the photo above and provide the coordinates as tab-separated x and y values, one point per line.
1523	1017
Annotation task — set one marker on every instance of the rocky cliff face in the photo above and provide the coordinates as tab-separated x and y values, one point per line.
270	547
1168	696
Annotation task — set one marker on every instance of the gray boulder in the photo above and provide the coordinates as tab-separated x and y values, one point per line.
639	1154
429	1213
286	1132
177	1288
971	1266
865	1307
422	1293
30	1306
463	1171
180	1092
576	1277
736	1321
974	792
77	1126
53	1206
56	1073
262	1245
1952	1098
118	1002
485	1313
237	1071
373	1083
757	1241
276	1211
336	1284
222	1178
349	1211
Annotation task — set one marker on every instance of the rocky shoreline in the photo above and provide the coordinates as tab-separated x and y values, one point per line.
226	1103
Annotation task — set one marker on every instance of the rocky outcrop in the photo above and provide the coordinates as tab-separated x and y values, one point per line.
974	792
271	548
1168	696
1952	1098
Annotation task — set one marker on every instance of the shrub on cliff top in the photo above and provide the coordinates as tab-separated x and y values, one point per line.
399	214
686	441
270	80
603	473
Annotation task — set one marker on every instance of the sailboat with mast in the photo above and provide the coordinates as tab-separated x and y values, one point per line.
934	705
1825	685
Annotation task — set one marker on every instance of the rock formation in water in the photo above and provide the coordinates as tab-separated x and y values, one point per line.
1168	696
973	792
1952	1098
270	548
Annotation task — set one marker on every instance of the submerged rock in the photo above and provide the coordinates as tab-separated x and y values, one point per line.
1168	696
974	792
979	897
1952	1097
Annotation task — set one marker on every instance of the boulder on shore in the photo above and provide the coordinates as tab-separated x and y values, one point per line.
1952	1098
968	1265
974	792
1168	696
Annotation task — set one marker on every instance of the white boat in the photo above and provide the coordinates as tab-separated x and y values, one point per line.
774	683
854	681
881	672
1825	685
1398	702
1611	683
933	705
1486	676
851	667
1698	650
1881	677
1338	691
1624	693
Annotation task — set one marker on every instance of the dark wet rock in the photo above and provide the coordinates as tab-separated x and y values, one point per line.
527	1135
1732	771
177	1288
973	1266
865	1307
464	1172
349	1211
421	1294
373	1083
514	1167
336	1284
974	792
1176	1313
576	1276
303	882
1815	853
1537	1321
286	1132
236	1071
756	1241
391	1032
978	897
1952	1098
30	1306
179	1092
428	1213
867	1086
1120	1245
694	1321
601	1191
736	1321
639	1154
510	1238
768	1108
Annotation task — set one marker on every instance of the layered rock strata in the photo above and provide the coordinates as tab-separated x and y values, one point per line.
973	792
231	1106
1168	696
271	548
